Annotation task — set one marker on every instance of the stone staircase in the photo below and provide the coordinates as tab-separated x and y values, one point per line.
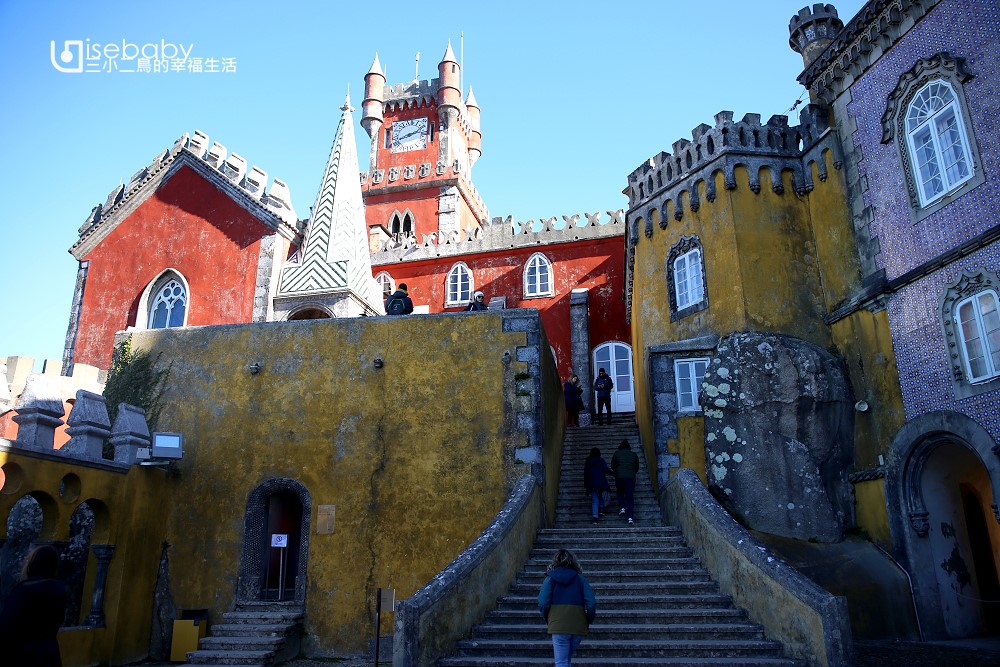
259	634
656	604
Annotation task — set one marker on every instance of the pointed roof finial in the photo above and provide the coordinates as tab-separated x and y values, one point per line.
347	101
470	101
449	55
376	67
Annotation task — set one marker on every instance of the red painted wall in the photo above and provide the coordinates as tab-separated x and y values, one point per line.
190	226
422	203
596	265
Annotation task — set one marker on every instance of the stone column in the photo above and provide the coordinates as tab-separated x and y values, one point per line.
579	327
129	433
89	426
103	553
39	413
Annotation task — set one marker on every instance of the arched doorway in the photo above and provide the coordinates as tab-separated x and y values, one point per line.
616	360
941	487
269	571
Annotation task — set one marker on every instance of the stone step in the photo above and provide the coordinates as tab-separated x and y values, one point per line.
251	658
241	643
591	566
627	633
611	552
613	649
632	616
603	590
263	617
624	578
250	630
689	600
510	661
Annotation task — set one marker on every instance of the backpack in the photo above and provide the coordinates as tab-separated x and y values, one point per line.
395	307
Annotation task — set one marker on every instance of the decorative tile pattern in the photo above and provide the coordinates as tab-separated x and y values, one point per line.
970	30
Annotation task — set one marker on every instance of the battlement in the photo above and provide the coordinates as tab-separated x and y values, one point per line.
502	234
17	370
748	142
233	167
420	91
811	26
424	172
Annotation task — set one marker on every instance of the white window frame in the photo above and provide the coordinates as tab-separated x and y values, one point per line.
157	296
687	271
454	293
687	396
385	281
534	267
933	104
988	352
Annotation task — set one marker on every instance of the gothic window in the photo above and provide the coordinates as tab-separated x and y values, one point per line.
979	327
927	117
384	281
689	374
938	146
167	302
401	224
538	277
971	321
458	287
686	278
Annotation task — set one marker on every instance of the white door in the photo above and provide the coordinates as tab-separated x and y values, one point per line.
616	360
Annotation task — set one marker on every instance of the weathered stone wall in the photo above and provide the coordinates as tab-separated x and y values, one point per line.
414	457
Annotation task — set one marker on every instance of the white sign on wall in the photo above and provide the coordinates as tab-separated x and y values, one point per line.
279	540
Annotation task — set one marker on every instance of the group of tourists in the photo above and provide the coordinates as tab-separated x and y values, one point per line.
400	303
573	395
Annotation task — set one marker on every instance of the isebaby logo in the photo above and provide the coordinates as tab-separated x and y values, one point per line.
76	56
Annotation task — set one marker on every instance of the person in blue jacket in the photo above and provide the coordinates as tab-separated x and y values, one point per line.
568	604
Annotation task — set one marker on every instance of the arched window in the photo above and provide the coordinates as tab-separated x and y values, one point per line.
401	224
385	282
458	287
538	277
167	302
979	326
939	147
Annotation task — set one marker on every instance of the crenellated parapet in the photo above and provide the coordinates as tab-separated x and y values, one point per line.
245	183
425	173
669	185
502	234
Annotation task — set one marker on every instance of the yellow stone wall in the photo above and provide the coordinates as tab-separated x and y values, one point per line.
127	513
416	457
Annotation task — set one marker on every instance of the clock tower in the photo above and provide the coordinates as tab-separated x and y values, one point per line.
424	141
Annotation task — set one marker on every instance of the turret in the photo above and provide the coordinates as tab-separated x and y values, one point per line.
476	138
449	94
372	106
810	32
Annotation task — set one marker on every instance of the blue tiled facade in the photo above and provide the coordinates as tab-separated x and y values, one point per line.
965	29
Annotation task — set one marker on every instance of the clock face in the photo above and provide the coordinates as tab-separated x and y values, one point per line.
409	135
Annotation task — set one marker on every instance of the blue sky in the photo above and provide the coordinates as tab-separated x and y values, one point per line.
574	96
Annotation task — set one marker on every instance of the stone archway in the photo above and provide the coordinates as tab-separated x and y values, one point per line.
942	480
268	508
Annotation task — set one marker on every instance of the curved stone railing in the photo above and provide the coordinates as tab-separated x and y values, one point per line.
812	624
432	620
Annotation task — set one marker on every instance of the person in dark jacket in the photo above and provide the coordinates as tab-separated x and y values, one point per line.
595	481
625	465
33	612
478	303
573	393
603	385
568	604
399	302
